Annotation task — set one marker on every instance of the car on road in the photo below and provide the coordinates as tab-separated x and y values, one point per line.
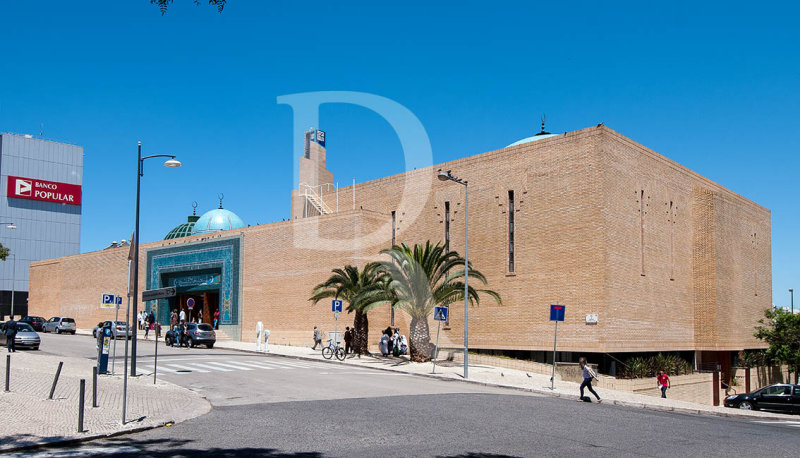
198	334
26	337
59	324
781	397
36	322
118	329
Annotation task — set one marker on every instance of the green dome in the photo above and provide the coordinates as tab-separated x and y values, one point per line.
184	229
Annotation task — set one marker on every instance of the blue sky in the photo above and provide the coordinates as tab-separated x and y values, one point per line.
711	86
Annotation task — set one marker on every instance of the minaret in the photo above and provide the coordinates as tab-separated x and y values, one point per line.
315	179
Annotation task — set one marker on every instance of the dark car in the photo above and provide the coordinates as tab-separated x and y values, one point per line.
197	333
781	397
26	337
36	322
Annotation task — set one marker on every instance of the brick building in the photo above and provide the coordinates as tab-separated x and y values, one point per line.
646	255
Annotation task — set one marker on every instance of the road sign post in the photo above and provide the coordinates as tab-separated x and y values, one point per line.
336	307
439	314
118	303
556	314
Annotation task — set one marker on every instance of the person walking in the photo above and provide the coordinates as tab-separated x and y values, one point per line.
11	334
348	341
663	382
317	338
173	320
146	326
182	316
384	344
388	332
588	375
216	319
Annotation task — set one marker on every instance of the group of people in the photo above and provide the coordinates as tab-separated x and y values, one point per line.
180	331
147	321
393	343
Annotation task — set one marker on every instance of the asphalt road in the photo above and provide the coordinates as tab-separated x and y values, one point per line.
326	410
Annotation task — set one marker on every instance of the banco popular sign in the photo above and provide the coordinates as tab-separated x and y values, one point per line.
48	191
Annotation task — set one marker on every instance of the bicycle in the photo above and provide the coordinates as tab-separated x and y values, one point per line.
333	349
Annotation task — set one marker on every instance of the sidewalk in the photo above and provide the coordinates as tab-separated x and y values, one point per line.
29	419
515	379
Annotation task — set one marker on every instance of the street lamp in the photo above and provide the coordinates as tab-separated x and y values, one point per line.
13	270
791	293
447	176
171	162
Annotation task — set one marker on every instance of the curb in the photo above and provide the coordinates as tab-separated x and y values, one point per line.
86	438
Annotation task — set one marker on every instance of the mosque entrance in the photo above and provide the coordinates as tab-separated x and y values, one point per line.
199	307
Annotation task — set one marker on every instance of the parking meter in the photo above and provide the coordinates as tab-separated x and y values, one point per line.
104	346
266	340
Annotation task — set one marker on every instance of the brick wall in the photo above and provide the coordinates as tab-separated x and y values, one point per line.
584	233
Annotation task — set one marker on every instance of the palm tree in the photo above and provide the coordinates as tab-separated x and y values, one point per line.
422	278
346	284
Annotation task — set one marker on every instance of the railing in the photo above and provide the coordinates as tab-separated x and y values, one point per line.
315	199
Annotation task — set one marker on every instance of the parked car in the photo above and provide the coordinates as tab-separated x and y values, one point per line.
118	329
782	397
36	322
198	334
26	337
59	324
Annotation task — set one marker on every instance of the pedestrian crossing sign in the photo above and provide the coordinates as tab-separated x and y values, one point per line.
440	313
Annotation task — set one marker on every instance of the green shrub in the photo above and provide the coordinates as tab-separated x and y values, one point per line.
640	367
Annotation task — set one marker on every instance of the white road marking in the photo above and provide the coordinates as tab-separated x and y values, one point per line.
161	368
213	368
257	364
241	368
793	424
194	369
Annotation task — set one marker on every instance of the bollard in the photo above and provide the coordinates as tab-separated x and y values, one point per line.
8	371
94	386
55	380
81	405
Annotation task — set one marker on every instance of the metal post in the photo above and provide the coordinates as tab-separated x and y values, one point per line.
466	281
155	346
13	281
94	386
125	370
114	355
354	193
791	292
8	371
136	258
553	376
81	404
55	379
436	354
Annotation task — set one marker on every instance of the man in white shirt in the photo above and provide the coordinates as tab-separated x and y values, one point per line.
183	316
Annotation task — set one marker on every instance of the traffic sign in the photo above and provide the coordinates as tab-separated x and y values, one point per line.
160	293
556	312
336	305
190	303
108	301
336	315
440	313
119	301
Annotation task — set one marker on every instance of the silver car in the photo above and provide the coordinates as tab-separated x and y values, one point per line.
117	329
26	337
59	324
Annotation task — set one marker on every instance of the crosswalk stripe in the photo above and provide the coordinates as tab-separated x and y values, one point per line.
241	368
256	364
160	368
194	369
283	363
213	368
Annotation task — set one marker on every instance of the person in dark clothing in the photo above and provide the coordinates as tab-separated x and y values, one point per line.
388	331
11	334
348	341
182	334
588	375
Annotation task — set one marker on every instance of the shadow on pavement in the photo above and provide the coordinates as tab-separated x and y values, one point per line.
158	448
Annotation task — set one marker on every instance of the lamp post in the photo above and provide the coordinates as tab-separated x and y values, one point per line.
447	176
13	271
171	162
791	293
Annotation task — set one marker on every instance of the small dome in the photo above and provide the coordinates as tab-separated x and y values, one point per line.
183	230
531	139
217	220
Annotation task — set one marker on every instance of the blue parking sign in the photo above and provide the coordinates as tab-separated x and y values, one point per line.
556	312
336	305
